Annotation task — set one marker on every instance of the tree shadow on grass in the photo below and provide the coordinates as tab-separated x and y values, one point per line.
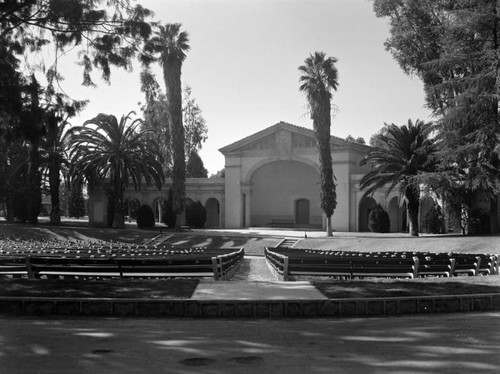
252	246
108	288
418	287
45	232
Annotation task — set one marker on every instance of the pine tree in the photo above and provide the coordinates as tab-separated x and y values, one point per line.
453	47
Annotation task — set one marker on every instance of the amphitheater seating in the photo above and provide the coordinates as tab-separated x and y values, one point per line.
13	265
345	264
466	264
114	260
488	265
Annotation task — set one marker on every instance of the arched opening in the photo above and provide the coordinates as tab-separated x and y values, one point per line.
213	212
131	206
275	189
365	207
397	215
158	208
302	212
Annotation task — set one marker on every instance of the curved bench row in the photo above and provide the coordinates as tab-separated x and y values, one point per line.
11	246
219	264
289	262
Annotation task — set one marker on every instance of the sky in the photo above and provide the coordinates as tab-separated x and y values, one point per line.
243	68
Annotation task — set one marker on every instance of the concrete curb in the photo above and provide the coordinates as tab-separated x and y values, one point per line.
187	308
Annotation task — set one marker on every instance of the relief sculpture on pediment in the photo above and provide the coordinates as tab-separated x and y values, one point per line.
284	145
302	141
263	144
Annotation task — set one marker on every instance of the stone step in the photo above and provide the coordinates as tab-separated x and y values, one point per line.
287	243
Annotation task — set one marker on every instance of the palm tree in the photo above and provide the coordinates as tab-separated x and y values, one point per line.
402	155
55	146
318	77
172	45
110	149
33	131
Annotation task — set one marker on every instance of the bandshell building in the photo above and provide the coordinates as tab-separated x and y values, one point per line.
272	179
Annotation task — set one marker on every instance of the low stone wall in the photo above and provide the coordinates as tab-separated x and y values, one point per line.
252	308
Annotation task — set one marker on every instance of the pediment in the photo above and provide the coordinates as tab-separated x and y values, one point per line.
282	137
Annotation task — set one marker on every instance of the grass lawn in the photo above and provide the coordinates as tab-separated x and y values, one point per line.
109	288
183	288
411	287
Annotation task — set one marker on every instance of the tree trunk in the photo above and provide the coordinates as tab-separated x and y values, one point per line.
34	183
494	227
172	77
117	200
329	231
10	207
413	196
55	183
34	176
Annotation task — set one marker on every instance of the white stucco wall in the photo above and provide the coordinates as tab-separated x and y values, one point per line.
275	189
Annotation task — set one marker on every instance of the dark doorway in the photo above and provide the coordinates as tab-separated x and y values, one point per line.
302	212
213	212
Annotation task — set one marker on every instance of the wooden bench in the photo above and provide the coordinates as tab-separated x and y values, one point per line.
282	222
488	265
164	267
331	267
14	266
313	263
385	267
220	264
436	266
74	267
466	264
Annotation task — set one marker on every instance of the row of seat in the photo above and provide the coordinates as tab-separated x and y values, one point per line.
81	248
389	264
203	264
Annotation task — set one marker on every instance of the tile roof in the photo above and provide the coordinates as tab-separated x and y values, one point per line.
280	125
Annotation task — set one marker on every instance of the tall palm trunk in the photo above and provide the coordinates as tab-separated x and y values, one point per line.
117	200
54	166
55	183
413	196
172	77
34	176
34	182
328	195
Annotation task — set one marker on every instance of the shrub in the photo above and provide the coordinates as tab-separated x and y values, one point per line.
21	207
478	222
145	217
196	215
76	201
131	205
434	220
378	220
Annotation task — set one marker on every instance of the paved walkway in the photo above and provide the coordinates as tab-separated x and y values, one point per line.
240	290
254	268
255	281
437	344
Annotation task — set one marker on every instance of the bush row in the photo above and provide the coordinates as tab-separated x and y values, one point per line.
196	216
